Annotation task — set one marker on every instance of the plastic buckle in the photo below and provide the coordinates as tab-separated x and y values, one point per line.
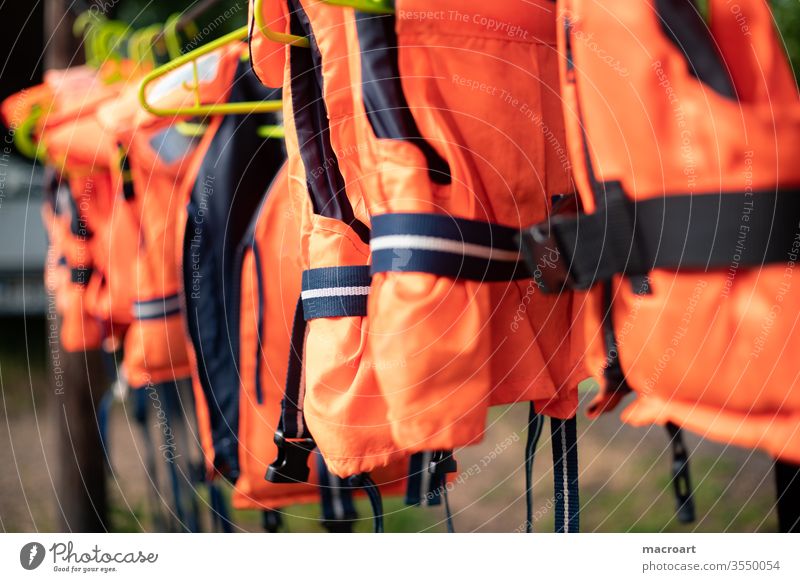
291	466
545	259
442	462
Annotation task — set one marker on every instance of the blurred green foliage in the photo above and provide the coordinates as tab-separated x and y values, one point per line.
222	18
787	14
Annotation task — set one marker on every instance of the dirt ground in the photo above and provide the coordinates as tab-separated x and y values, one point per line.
624	475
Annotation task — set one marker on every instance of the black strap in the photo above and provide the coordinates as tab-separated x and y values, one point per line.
271	520
338	511
564	437
335	292
441	464
421	489
292	438
787	481
157	308
365	482
681	482
80	275
326	292
446	246
535	424
682	232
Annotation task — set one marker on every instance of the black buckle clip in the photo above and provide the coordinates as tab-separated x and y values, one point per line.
545	259
442	462
681	481
291	466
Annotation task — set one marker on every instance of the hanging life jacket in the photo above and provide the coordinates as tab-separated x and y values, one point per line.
270	283
339	397
330	387
466	129
227	183
682	139
153	159
79	150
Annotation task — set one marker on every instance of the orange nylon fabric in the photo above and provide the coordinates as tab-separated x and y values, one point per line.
268	58
710	351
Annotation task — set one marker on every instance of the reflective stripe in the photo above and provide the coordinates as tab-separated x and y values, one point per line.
446	246
335	292
434	243
565	474
156	308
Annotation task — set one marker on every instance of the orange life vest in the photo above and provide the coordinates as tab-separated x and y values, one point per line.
154	159
683	143
330	382
80	149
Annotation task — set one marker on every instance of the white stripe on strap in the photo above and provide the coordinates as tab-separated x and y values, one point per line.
156	307
333	292
434	243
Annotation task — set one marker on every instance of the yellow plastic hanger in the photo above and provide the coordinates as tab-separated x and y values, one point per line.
274	35
191	128
369	6
271	132
23	136
171	36
85	26
199	109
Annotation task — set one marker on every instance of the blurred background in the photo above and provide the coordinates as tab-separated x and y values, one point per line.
625	472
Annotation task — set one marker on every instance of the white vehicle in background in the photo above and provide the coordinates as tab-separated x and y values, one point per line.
23	242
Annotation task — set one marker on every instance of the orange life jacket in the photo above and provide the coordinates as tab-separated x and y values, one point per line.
465	131
682	139
270	284
80	149
330	381
154	159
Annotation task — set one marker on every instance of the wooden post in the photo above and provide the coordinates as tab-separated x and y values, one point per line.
78	379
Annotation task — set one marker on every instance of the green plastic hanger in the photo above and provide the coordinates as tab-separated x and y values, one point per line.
271	132
23	136
369	6
274	35
199	109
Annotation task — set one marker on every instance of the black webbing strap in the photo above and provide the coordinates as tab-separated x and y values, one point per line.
335	292
80	275
421	489
564	437
446	246
271	520
787	482
681	483
535	424
157	308
326	292
338	511
292	437
365	482
684	232
442	463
